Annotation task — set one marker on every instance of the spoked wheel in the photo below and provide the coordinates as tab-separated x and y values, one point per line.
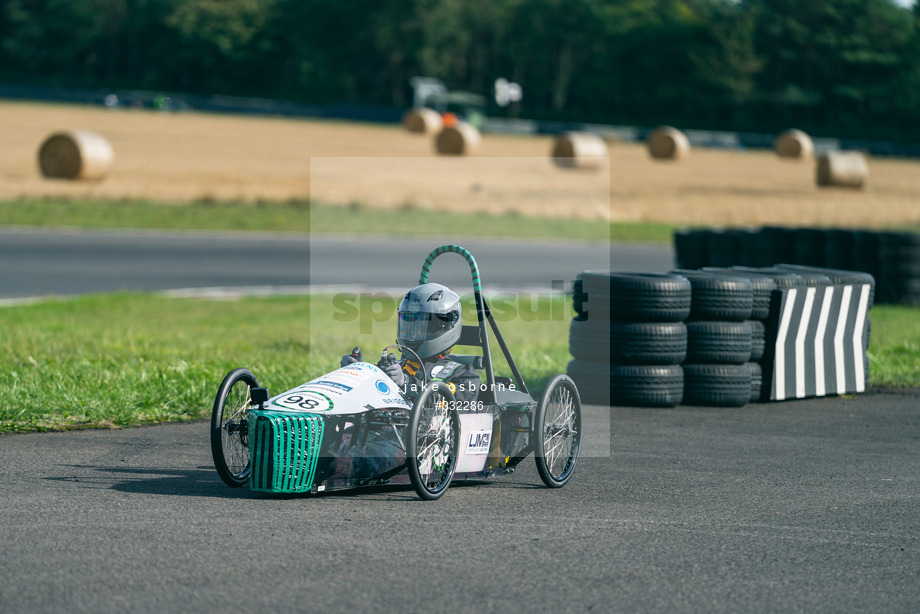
230	429
557	431
433	444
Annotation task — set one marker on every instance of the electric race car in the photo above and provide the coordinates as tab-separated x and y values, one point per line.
354	427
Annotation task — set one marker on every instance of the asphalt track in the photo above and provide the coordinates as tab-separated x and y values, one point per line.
36	263
808	506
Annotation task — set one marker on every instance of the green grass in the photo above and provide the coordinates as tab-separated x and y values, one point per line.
128	359
203	214
299	216
894	348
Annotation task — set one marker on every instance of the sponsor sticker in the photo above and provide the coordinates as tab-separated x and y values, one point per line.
436	370
478	442
335	392
341	388
304	400
382	387
350	373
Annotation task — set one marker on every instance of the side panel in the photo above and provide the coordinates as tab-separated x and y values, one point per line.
475	441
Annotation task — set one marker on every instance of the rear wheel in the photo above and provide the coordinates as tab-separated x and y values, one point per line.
433	445
230	429
557	431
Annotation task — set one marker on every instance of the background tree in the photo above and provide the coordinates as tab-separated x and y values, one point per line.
832	67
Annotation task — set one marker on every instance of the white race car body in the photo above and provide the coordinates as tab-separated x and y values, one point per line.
347	428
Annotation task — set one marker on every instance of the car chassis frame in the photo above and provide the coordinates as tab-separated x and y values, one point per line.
282	444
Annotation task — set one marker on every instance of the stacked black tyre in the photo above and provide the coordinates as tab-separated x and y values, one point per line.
891	258
762	287
719	340
899	267
629	338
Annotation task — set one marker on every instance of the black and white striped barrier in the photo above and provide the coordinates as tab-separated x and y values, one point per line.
816	342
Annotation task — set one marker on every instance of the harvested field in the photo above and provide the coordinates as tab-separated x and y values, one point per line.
193	156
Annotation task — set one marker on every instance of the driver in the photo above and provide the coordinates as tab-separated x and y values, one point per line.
430	320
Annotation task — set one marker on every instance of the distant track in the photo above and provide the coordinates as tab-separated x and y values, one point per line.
38	262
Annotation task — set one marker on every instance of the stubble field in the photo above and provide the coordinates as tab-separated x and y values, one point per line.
183	157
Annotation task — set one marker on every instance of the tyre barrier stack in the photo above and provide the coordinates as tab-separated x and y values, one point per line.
629	338
719	340
891	258
720	336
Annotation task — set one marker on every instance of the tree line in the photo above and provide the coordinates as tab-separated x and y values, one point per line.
847	68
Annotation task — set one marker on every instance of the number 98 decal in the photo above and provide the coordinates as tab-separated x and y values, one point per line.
305	400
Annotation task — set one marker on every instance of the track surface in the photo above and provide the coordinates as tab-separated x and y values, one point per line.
802	506
40	262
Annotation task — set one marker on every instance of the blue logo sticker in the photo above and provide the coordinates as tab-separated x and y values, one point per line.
382	387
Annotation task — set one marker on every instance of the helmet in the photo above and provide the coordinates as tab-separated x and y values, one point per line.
430	320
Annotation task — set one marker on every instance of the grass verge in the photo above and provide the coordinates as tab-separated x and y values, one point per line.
299	216
894	347
128	359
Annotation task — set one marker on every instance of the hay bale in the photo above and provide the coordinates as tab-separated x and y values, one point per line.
459	140
75	154
794	144
667	143
422	120
579	150
843	169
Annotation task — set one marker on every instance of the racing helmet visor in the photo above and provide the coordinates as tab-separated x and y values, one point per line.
422	326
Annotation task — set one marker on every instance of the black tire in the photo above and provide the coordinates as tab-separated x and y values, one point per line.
636	297
762	288
719	342
865	252
899	254
628	343
809	246
808	277
719	297
646	385
756	380
639	385
782	279
722	247
433	441
777	244
628	385
230	427
690	248
579	297
758	339
717	385
838	248
557	429
748	247
592	379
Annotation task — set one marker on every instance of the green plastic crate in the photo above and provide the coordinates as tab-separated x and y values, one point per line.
284	449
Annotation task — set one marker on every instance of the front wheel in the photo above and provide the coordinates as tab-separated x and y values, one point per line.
557	431
230	428
433	445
